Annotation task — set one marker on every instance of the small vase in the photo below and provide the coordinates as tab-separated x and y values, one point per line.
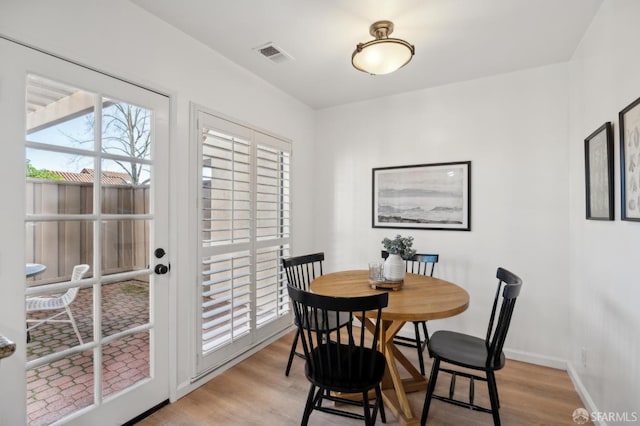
394	268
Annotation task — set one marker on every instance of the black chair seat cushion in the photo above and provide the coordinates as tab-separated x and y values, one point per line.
351	370
462	349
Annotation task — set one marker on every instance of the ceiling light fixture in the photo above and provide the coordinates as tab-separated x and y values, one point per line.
382	55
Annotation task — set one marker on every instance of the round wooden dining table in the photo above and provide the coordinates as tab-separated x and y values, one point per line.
421	298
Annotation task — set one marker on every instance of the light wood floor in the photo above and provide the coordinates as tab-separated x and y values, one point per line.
256	392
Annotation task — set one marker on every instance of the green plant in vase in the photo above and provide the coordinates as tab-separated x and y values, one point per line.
399	245
398	248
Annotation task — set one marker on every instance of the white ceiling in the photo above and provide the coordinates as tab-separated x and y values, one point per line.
455	40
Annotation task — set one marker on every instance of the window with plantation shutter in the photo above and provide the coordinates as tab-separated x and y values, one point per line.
244	217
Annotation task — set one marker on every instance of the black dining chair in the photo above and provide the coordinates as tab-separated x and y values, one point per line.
423	264
469	352
342	361
301	270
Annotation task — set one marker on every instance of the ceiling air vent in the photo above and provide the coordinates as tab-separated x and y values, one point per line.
273	53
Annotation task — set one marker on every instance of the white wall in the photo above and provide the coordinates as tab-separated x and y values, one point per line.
513	128
122	39
604	283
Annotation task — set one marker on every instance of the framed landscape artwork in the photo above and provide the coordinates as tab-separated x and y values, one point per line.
598	160
629	119
425	196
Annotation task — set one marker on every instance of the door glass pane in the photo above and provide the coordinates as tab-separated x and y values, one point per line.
59	388
125	245
125	362
58	183
120	195
126	131
125	304
51	331
59	114
57	246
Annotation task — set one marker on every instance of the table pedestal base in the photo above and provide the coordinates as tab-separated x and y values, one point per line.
395	388
392	404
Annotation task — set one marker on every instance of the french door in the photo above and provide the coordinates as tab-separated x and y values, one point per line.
85	199
244	228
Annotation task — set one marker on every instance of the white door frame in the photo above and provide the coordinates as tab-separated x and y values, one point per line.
143	395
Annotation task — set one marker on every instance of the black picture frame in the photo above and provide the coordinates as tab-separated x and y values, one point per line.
598	161
422	196
629	122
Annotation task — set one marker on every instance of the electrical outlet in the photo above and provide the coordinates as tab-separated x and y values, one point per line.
583	356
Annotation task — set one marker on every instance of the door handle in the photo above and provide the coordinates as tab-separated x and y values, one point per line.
161	269
7	347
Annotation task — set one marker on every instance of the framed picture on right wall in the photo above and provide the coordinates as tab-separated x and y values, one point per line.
629	119
598	160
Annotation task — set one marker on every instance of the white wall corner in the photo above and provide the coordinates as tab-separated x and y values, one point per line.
583	393
560	364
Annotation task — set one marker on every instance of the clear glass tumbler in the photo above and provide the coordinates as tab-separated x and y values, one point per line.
375	271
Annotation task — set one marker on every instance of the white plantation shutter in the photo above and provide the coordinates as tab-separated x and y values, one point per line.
272	194
226	299
271	287
245	229
272	227
226	180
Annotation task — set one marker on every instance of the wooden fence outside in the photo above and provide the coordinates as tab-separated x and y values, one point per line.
59	245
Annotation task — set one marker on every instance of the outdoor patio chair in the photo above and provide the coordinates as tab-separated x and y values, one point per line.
57	303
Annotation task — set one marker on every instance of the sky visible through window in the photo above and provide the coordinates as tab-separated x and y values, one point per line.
78	133
64	134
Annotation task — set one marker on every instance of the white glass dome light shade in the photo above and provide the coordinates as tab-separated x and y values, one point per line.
382	56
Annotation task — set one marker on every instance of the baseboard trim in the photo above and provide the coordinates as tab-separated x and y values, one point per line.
560	364
537	359
583	393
